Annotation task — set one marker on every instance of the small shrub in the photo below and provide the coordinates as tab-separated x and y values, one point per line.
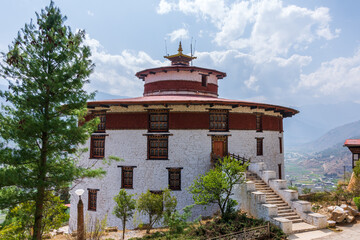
293	188
357	202
306	190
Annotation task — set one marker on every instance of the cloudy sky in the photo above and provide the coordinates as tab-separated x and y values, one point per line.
290	53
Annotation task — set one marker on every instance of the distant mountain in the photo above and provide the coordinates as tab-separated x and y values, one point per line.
107	96
333	138
315	120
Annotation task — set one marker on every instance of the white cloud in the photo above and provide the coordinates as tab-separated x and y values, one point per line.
338	79
181	33
164	7
264	28
114	73
90	13
251	83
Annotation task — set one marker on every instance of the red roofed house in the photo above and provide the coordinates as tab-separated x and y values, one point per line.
167	137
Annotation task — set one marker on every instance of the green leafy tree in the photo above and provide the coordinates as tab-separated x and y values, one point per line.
124	208
46	66
177	222
155	206
216	185
20	219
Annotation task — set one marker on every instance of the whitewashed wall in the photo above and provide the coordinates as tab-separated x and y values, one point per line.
189	149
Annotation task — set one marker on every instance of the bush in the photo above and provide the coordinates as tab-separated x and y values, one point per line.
306	190
293	188
357	202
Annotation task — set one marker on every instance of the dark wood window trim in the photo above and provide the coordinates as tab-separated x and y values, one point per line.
158	120
158	147
158	192
280	145
97	146
259	122
127	177
204	80
174	179
102	116
259	147
219	120
92	199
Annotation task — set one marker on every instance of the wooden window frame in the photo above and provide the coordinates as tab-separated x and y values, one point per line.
158	138
124	171
259	122
280	145
259	146
214	116
92	199
174	184
102	124
154	113
95	141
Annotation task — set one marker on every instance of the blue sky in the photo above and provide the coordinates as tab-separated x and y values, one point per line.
291	53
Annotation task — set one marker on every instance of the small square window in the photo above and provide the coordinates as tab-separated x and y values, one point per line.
158	147
204	80
219	120
92	199
280	144
102	116
127	174
174	178
159	121
97	146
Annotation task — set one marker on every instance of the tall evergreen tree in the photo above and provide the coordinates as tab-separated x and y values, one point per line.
46	66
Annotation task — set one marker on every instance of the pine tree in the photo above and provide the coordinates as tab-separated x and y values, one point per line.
46	66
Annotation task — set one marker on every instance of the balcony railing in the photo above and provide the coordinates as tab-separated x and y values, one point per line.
215	158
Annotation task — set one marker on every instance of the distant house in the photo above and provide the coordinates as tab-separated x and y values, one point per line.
173	133
354	147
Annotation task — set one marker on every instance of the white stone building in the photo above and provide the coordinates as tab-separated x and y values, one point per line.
166	137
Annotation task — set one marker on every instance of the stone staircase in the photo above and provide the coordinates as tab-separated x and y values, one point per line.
284	210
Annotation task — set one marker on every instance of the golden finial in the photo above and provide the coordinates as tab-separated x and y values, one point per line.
180	48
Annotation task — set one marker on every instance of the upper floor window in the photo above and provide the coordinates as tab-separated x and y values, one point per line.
158	147
97	146
174	178
204	80
259	125
102	116
219	120
127	174
92	199
159	121
259	146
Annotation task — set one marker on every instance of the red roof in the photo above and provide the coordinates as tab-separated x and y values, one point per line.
352	142
187	99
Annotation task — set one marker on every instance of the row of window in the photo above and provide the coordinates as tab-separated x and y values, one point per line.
159	121
127	175
157	147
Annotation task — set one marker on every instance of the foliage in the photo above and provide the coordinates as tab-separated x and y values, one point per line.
177	222
95	228
216	186
155	206
124	208
217	227
20	219
356	169
46	67
357	202
293	188
306	190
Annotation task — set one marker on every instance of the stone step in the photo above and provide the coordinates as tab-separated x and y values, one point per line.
289	214
281	204
293	217
274	201
284	208
297	220
262	188
302	227
285	211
